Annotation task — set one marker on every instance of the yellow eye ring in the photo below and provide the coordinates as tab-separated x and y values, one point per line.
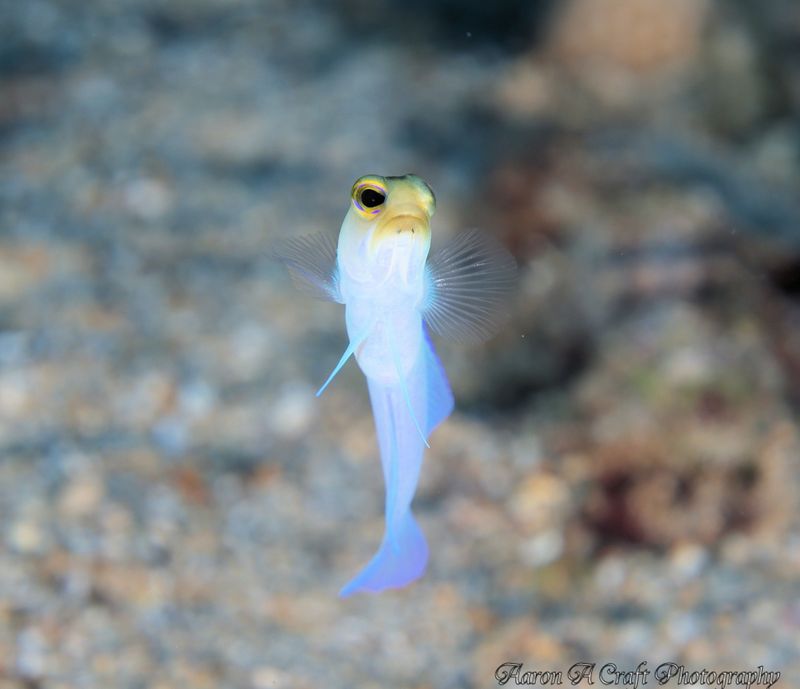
368	196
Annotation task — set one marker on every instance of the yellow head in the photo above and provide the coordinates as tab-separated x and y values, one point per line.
386	211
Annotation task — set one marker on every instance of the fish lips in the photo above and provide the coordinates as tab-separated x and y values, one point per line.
400	229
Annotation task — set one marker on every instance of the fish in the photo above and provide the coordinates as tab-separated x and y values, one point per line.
395	293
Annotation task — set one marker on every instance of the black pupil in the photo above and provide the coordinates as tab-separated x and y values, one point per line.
371	198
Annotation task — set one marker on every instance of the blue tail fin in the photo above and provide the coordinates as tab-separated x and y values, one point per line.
401	559
405	413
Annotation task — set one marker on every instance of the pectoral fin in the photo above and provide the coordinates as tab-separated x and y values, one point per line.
311	262
467	285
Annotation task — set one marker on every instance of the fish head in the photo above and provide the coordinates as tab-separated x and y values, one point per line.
388	223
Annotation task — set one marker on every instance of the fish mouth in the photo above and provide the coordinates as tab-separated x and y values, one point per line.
397	242
400	229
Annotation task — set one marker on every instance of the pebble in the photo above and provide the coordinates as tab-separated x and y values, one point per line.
687	560
294	411
81	496
541	549
539	500
27	537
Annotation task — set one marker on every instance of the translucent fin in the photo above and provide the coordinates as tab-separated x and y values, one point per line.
400	560
311	262
439	396
351	348
403	553
347	354
468	283
407	398
404	386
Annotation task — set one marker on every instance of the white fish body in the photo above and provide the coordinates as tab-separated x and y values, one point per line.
380	271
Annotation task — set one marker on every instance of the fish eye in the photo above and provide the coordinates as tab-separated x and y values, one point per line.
368	195
371	198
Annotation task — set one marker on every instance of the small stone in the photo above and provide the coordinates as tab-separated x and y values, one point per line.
539	500
610	574
270	678
688	365
21	269
687	560
81	496
149	199
191	484
27	537
542	549
293	411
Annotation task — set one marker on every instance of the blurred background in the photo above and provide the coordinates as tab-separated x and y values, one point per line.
620	479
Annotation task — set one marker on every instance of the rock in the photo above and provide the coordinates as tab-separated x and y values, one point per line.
81	496
28	537
538	501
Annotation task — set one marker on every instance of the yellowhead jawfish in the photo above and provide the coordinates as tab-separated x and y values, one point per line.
393	294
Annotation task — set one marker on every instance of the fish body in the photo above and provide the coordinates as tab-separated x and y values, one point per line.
383	314
393	292
381	259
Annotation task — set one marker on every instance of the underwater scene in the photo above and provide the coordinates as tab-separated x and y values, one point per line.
415	345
